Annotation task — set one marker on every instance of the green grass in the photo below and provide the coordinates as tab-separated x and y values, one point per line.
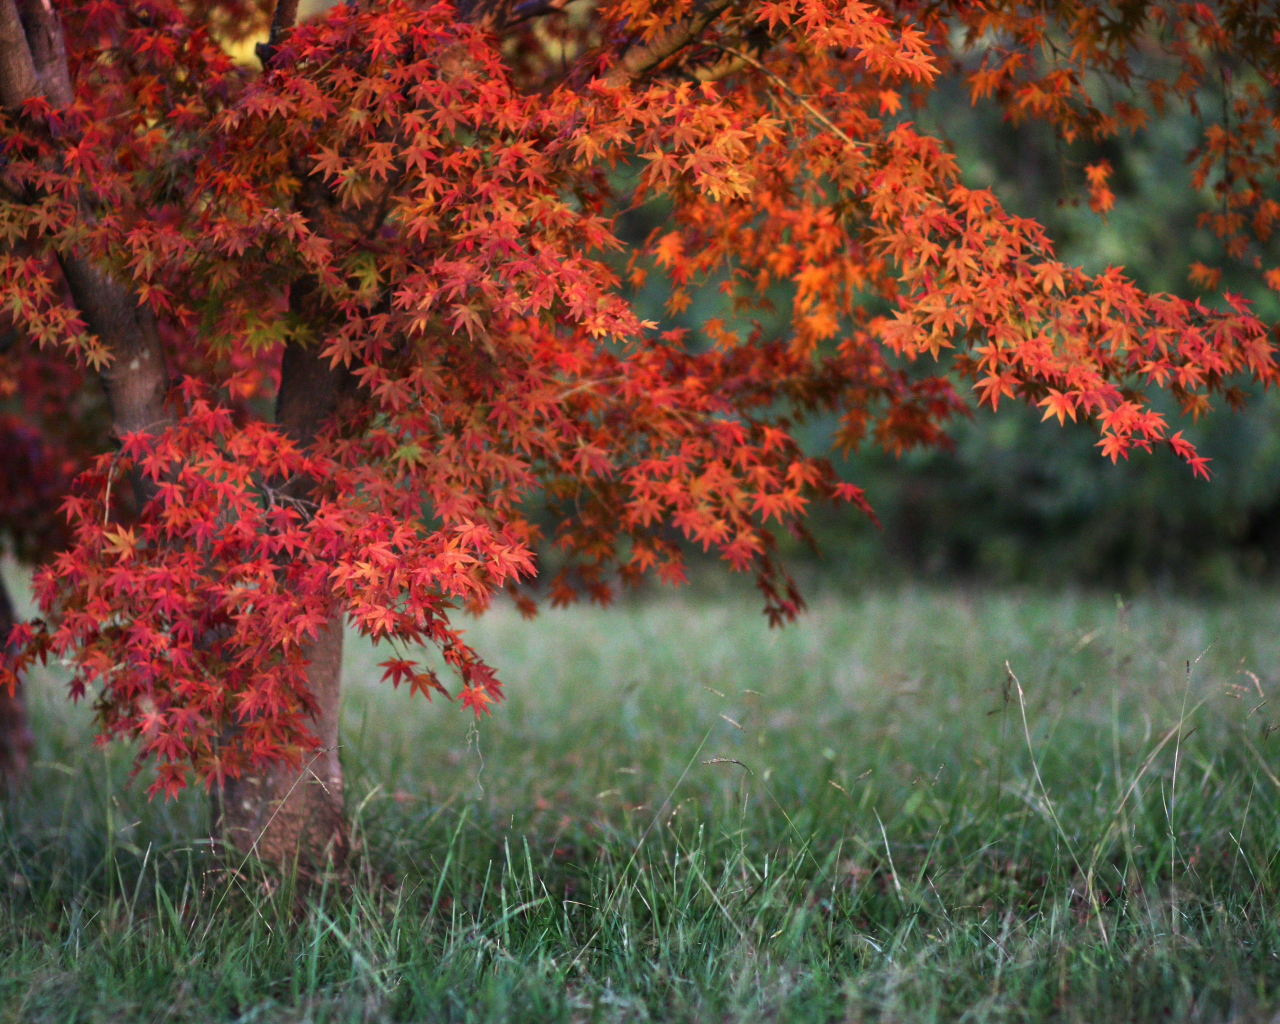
889	828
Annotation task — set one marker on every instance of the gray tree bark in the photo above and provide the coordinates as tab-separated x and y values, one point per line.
15	736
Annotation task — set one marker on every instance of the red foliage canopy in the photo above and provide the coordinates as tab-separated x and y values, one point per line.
424	197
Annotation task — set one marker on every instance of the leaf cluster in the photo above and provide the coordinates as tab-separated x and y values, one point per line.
425	197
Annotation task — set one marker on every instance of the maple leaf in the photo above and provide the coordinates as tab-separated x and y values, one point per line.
397	670
1202	276
1059	405
402	236
890	101
477	698
426	683
1101	198
120	543
1187	452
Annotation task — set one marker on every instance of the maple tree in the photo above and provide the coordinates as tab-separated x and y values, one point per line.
402	233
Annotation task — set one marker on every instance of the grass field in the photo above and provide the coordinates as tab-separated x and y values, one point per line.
680	815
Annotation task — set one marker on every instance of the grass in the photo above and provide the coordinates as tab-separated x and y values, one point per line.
680	815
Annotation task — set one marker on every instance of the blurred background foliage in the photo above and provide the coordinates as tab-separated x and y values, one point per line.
1021	501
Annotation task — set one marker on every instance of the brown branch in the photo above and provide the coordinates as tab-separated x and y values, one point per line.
48	51
18	78
283	18
757	42
644	57
723	68
531	9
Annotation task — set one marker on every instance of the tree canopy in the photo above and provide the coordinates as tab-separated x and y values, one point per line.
403	231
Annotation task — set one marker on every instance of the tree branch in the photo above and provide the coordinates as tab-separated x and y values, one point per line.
814	112
722	68
531	9
644	57
283	18
48	51
18	78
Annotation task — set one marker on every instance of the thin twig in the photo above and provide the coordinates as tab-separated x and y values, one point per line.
813	111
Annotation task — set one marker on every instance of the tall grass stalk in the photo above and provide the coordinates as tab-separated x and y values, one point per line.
913	806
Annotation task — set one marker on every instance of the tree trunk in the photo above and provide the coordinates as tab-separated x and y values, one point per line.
33	62
15	737
280	815
287	816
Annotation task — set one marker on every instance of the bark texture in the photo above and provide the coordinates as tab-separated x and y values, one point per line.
286	816
33	62
18	80
136	381
281	815
48	50
15	736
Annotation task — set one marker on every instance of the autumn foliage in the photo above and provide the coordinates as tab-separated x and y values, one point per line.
417	204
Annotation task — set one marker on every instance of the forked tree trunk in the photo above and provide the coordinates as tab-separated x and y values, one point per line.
15	736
